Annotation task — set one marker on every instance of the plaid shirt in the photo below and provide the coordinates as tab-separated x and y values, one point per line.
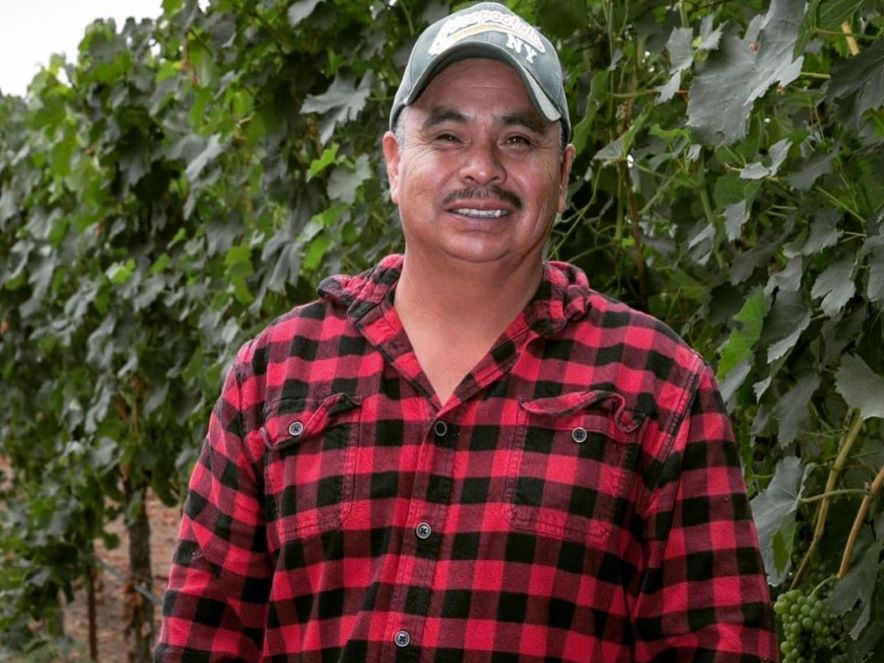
578	498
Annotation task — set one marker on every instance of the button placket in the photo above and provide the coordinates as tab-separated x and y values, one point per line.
420	550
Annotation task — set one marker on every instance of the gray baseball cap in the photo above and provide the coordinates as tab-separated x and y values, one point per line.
487	30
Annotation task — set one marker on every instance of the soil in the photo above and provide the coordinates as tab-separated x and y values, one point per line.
111	595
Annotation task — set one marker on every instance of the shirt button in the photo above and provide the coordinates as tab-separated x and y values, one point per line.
296	428
579	435
402	638
440	428
423	531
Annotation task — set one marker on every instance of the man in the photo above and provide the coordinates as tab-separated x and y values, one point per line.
465	454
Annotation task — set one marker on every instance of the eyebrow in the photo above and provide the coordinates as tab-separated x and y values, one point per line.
444	114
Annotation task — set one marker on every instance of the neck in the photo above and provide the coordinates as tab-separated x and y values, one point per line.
476	300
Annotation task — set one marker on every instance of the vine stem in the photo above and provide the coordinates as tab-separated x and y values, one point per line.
851	40
845	446
843	491
858	522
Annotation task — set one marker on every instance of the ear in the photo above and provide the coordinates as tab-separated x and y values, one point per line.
392	157
567	160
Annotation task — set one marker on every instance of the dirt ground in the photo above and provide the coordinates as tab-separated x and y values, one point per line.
112	644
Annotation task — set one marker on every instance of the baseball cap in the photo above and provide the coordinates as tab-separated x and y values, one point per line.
487	30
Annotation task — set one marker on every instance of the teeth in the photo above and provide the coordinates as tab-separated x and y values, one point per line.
481	213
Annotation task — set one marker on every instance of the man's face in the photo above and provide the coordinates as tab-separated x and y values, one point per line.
480	174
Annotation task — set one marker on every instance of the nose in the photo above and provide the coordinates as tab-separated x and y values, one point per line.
483	164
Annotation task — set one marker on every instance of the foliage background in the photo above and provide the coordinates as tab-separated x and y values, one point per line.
188	179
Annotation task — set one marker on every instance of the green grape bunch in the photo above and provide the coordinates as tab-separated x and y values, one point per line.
811	632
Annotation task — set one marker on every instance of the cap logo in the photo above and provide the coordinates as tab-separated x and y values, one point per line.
465	25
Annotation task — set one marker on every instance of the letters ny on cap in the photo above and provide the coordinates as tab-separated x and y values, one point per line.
465	25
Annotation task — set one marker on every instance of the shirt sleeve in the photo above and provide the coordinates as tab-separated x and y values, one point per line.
703	594
215	605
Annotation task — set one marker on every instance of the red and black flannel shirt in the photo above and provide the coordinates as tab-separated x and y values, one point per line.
579	497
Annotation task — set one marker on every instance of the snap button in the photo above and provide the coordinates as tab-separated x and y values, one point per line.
423	531
579	435
440	428
402	639
296	428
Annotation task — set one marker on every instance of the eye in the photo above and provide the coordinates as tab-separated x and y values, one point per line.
518	139
447	138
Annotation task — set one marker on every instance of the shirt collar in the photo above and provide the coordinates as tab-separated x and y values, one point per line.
563	293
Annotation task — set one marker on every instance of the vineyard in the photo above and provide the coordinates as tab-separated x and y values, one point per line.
186	179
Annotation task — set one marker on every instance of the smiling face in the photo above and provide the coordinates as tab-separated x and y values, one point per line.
480	174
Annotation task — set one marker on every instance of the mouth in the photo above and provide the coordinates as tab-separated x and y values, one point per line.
476	213
483	203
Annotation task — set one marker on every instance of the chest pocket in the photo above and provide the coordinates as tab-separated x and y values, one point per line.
310	459
569	465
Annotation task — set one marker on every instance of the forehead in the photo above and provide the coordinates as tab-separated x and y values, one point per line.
479	82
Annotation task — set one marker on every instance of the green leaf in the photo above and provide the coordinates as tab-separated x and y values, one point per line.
329	217
777	154
238	255
774	511
327	158
750	322
861	387
832	13
791	412
835	285
316	251
120	272
343	101
788	279
681	53
857	586
818	165
874	248
724	90
344	182
710	37
858	82
301	10
734	217
213	148
787	319
824	232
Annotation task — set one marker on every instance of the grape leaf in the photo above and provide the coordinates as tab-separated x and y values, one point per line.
301	10
723	92
343	101
858	82
681	56
835	285
788	318
858	585
819	164
875	248
750	322
777	154
861	387
774	511
791	411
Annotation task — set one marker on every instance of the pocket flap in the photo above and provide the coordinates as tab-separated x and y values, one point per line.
287	421
591	401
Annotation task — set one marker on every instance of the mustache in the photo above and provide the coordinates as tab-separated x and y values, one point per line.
483	193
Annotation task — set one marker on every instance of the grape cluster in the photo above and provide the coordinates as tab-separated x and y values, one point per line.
811	631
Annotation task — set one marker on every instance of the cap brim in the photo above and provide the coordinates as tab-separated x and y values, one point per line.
467	50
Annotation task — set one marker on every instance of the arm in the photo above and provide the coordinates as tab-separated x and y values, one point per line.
703	594
215	605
